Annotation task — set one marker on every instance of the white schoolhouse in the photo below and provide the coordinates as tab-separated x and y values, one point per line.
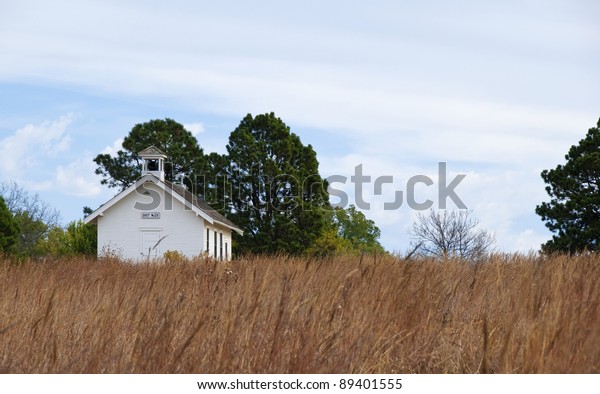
153	216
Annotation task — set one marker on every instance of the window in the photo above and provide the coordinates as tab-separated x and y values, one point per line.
207	240
153	165
226	252
221	247
215	254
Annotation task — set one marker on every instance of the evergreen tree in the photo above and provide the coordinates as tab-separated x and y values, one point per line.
277	195
573	212
9	230
184	155
268	183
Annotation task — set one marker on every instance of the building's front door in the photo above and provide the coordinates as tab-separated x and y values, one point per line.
150	243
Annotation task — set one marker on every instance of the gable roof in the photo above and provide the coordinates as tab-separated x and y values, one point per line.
199	206
152	151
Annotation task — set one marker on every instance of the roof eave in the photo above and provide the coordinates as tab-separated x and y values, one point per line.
93	217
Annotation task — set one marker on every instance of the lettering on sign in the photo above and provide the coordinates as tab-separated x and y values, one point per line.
150	215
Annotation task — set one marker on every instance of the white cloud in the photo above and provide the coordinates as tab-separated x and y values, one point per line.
39	186
28	155
344	79
195	128
78	179
529	240
29	146
502	197
403	86
114	148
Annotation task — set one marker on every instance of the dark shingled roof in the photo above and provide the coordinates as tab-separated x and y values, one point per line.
200	204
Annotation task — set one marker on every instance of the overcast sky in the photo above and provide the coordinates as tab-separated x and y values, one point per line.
497	91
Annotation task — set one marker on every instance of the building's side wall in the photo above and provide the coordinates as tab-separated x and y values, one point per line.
120	229
223	249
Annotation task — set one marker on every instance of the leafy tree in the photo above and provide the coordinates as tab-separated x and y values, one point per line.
33	216
353	226
181	147
450	234
19	200
217	186
573	212
87	211
268	183
348	232
277	195
54	244
77	239
329	243
9	229
32	232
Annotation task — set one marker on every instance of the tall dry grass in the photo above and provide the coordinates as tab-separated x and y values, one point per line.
276	314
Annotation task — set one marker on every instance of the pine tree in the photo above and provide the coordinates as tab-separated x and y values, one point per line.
181	147
573	212
9	230
277	196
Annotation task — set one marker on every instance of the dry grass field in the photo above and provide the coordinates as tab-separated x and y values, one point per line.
512	314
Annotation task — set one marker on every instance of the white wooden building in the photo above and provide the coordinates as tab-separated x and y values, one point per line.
153	216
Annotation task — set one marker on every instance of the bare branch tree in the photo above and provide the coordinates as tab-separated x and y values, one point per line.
35	217
450	234
19	201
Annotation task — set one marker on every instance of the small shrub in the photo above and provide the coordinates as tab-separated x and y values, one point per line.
174	256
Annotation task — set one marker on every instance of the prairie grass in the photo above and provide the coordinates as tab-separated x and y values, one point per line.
511	314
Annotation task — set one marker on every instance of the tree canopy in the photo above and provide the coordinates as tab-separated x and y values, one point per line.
268	183
348	231
9	229
77	238
353	226
184	154
573	212
34	218
277	195
37	227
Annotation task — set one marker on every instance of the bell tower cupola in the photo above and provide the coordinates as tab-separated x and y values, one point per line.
153	162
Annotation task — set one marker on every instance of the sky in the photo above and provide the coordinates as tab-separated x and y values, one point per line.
498	91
